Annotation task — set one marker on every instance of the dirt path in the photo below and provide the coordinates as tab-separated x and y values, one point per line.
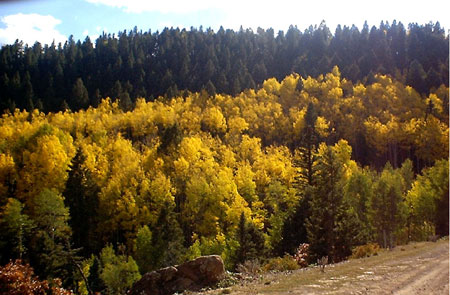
433	282
427	273
421	268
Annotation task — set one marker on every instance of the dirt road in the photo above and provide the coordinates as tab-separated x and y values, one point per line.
420	268
425	273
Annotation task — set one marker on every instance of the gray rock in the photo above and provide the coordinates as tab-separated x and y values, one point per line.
192	275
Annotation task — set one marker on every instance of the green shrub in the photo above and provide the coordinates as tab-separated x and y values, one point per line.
119	272
287	262
365	250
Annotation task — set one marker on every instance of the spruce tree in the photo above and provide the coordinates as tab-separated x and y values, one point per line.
81	197
330	227
417	77
251	241
80	96
294	230
167	239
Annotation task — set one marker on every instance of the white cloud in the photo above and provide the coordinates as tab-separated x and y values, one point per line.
170	6
30	28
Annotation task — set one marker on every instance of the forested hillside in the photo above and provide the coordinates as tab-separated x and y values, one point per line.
321	160
138	64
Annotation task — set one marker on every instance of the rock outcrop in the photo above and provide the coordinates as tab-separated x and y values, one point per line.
192	275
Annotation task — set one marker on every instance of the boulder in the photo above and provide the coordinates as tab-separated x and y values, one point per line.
192	275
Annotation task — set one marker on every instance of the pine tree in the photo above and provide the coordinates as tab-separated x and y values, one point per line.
294	230
210	88
80	96
330	228
125	101
251	241
95	283
167	239
28	92
81	197
417	77
64	106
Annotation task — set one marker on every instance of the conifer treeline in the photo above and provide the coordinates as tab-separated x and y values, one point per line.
144	64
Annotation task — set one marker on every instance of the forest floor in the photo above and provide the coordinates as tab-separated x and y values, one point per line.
417	268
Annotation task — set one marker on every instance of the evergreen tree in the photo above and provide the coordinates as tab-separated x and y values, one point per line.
28	93
167	239
330	225
15	230
95	283
125	101
39	105
210	88
251	241
433	80
79	97
417	77
51	235
294	230
81	198
308	145
64	106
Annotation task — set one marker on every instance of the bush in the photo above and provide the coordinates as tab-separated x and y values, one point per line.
301	255
119	272
251	267
365	250
287	262
19	279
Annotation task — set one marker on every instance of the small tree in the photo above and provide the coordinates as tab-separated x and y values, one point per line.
428	200
251	241
118	272
144	250
388	208
15	229
52	234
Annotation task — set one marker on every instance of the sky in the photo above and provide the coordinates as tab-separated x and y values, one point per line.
55	20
